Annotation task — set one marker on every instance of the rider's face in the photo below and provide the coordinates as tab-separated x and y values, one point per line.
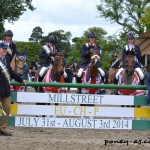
91	40
8	38
130	41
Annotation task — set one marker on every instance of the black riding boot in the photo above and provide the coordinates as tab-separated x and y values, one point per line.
142	82
78	80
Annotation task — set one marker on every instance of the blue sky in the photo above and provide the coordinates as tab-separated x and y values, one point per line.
75	16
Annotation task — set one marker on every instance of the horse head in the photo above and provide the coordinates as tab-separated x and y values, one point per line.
94	62
95	56
129	64
58	66
20	61
129	69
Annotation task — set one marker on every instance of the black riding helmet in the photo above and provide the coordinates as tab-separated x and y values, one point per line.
91	35
8	33
130	36
53	39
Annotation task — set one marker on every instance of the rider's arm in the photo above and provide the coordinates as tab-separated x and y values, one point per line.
43	54
123	58
85	51
138	52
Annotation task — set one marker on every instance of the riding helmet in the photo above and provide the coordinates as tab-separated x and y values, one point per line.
91	35
53	39
8	33
130	36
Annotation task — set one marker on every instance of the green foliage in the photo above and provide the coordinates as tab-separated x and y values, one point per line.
36	35
11	10
2	30
32	50
126	13
145	19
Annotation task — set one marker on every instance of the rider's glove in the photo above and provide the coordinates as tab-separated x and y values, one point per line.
52	54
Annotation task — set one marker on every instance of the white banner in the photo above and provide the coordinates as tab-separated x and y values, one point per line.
59	110
73	123
75	98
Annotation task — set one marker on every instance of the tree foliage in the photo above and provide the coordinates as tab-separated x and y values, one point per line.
32	50
36	35
11	10
126	13
145	19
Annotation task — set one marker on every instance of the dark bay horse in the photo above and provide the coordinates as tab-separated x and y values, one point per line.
54	74
92	75
129	77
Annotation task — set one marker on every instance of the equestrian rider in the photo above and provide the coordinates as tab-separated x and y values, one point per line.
11	50
48	53
131	49
86	55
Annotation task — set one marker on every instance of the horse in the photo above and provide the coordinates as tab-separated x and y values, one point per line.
92	75
112	72
55	73
17	64
129	77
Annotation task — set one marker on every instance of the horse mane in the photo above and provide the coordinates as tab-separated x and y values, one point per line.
12	64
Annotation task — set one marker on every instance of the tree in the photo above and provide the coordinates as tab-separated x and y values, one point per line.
11	10
36	34
126	13
32	50
145	19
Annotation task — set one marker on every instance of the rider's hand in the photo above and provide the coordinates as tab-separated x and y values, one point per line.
52	54
24	81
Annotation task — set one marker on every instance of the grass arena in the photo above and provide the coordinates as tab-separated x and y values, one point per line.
78	122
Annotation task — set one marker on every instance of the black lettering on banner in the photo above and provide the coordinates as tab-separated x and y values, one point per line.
43	122
65	124
101	124
36	121
127	124
52	99
72	98
52	123
89	123
83	99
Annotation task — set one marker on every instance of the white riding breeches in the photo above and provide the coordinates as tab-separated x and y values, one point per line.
79	74
140	73
42	71
118	73
101	72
